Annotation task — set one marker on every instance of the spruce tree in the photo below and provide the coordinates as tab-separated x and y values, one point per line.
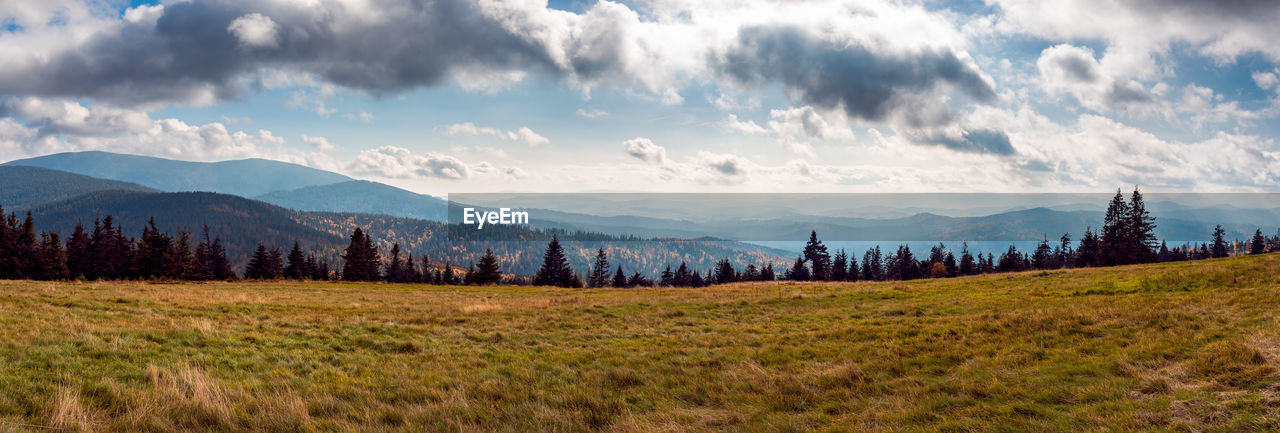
1043	255
798	271
967	265
296	263
619	279
840	266
1088	254
1115	243
361	259
487	271
667	279
1258	244
395	270
816	254
153	253
181	262
555	267
724	272
1219	248
599	276
211	259
256	269
78	252
767	273
53	259
1141	228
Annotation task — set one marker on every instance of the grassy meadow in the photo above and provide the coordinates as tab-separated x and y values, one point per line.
1181	347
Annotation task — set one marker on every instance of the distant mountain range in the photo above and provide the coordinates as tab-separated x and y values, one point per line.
280	183
250	201
59	201
245	178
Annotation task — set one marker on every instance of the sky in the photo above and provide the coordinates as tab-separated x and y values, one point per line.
452	96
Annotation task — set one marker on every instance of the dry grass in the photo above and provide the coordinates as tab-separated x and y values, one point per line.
1170	347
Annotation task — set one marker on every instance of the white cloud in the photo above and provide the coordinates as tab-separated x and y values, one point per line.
320	143
65	116
644	150
591	114
400	163
254	30
1139	33
792	127
521	135
1072	71
1265	80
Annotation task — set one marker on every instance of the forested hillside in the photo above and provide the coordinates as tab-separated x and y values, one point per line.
25	187
360	196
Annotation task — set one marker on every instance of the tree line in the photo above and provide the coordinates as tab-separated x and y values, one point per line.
104	252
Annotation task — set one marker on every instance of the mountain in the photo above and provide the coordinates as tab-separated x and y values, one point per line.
1030	224
360	196
245	178
240	222
25	187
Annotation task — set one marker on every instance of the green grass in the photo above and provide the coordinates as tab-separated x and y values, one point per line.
1168	347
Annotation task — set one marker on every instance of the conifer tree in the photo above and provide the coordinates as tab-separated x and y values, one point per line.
1088	254
361	259
53	259
296	269
1258	244
767	273
840	266
154	250
77	252
667	278
487	271
1010	261
967	265
258	266
211	259
1141	228
1115	245
555	267
682	277
619	279
599	276
1043	255
816	254
395	270
181	262
1219	248
798	271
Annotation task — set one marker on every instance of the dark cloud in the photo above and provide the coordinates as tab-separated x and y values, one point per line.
977	141
190	53
868	84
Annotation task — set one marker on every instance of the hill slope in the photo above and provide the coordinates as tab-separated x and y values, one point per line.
360	196
240	222
245	178
25	187
1190	346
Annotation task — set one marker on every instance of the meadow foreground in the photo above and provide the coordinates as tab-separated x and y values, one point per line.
1187	346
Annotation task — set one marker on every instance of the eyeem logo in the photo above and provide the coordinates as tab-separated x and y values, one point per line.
503	216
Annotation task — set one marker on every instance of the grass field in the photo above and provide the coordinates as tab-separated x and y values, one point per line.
1169	347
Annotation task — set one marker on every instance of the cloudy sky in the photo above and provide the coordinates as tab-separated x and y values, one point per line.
442	96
